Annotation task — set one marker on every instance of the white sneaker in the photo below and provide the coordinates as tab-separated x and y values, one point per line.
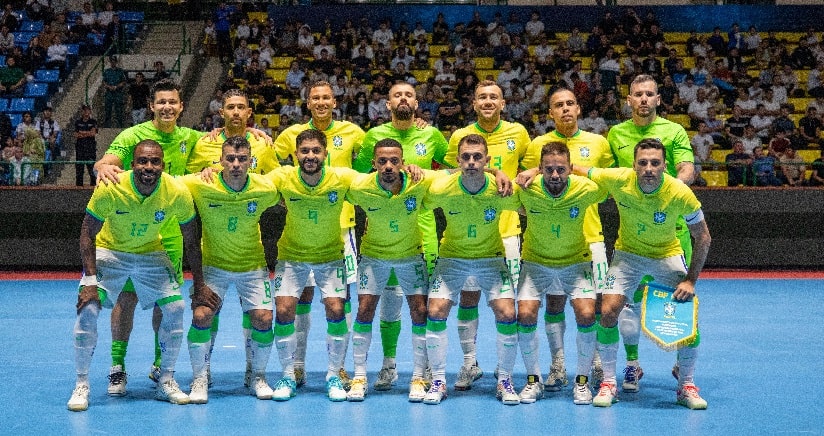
417	390
80	398
557	378
357	389
260	388
467	375
117	381
688	397
533	390
506	393
386	379
335	390
436	393
606	395
170	391
285	389
580	392
154	373
632	376
345	380
300	376
199	393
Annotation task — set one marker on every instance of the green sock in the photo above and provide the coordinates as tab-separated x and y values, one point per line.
119	353
390	330
632	351
157	352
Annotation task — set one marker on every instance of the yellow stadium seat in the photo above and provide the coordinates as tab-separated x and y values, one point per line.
281	61
263	17
274	119
484	63
676	37
278	74
809	155
715	178
719	155
422	75
681	119
435	50
800	104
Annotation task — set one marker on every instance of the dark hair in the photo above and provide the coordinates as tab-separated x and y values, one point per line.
237	143
473	139
388	143
235	92
649	144
163	85
310	134
555	147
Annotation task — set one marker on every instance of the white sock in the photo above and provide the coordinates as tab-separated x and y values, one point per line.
419	359
198	356
609	357
85	339
530	349
468	334
585	342
686	364
260	356
507	347
286	342
170	336
436	347
629	324
303	321
361	340
335	345
555	337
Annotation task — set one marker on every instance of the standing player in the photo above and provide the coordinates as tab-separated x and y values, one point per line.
311	244
391	245
344	139
208	153
421	146
471	258
557	263
650	203
507	144
644	100
230	211
120	242
590	150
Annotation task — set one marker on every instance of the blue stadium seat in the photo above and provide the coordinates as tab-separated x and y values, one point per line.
48	76
36	89
130	17
4	105
19	105
23	38
30	26
73	49
15	120
2	60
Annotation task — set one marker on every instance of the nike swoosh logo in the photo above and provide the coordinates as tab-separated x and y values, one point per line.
266	302
534	211
294	199
372	209
623	205
620	147
214	205
121	212
215	162
453	212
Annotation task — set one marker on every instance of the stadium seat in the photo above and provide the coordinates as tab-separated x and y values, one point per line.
22	38
36	89
15	120
4	105
47	76
31	26
715	178
20	105
2	60
131	17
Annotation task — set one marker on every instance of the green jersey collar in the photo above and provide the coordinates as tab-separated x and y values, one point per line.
498	126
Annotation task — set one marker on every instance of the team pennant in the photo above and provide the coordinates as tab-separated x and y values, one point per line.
669	323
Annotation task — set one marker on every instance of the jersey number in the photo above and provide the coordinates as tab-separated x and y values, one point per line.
313	215
472	231
139	229
232	224
556	229
393	226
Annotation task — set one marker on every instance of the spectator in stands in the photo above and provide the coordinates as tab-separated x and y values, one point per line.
739	164
779	90
421	53
779	143
449	112
34	147
85	130
793	169
810	127
446	80
291	110
253	77
402	57
543	125
12	79
699	71
534	28
49	130
56	54
802	56
575	42
39	10
815	88
752	143
715	127
748	105
783	122
139	97
440	30
26	122
377	108
670	99
594	123
114	83
270	96
399	74
751	42
702	145
294	77
697	110
223	22
535	93
305	41
358	111
763	167
88	16
6	40
9	18
610	70
716	41
817	175
762	122
21	168
687	92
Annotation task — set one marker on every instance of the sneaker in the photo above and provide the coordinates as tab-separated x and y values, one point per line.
533	390
632	375
117	381
170	391
427	376
596	374
386	379
505	392
580	392
345	380
260	388
209	375
300	376
154	373
199	394
357	389
688	397
557	378
285	389
606	395
467	375
676	371
335	390
80	398
247	376
417	390
436	393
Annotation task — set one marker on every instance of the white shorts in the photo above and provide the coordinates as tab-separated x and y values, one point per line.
290	278
452	275
350	256
252	287
538	280
374	275
152	274
627	269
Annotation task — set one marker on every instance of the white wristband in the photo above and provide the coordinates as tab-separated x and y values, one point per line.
88	281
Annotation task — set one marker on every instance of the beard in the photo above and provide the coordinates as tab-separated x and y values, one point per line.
403	112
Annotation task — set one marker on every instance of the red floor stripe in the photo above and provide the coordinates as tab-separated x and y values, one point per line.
708	274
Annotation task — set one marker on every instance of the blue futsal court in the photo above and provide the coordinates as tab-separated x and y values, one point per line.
758	369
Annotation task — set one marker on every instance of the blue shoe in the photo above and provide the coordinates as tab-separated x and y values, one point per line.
335	390
285	389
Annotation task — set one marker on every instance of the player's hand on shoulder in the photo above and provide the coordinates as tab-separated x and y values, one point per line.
208	175
415	172
504	184
525	178
108	173
261	135
421	123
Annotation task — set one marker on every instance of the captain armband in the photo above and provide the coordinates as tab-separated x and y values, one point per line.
695	217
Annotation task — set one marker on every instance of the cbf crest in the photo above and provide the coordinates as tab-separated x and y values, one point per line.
584	151
669	309
489	214
333	197
420	149
251	207
659	217
159	215
574	212
510	144
183	147
337	141
411	204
